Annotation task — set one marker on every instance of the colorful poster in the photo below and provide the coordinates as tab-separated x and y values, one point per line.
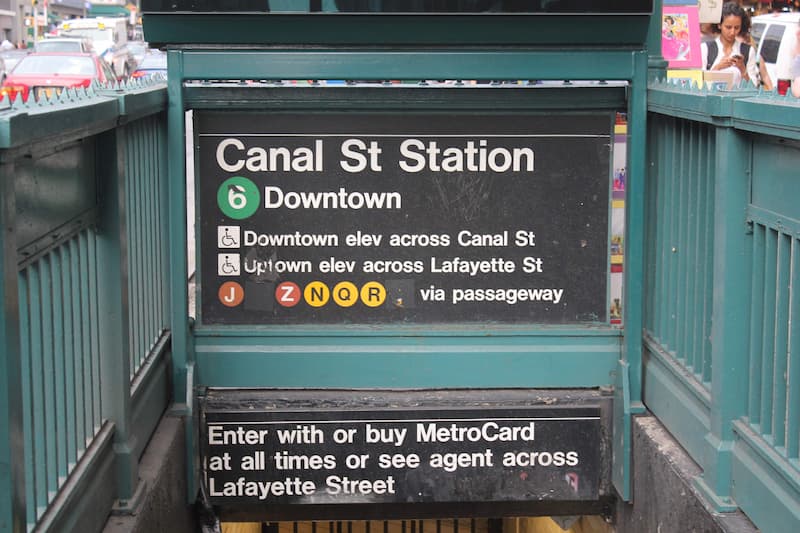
680	36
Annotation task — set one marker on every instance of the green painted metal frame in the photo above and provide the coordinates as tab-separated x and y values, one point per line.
259	46
398	357
248	29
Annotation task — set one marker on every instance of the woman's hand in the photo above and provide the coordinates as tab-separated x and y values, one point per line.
735	60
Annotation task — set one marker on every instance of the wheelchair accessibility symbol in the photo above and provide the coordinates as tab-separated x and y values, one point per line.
228	236
228	264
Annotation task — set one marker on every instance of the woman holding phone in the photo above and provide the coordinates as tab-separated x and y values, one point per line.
726	53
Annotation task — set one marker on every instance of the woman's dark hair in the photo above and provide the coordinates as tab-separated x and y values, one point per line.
733	8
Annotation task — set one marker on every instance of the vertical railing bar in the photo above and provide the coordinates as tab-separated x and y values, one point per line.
144	251
152	245
37	385
96	370
674	240
145	246
159	140
87	344
697	253
756	323
134	219
163	242
681	292
68	274
793	364
768	327
781	326
88	339
655	268
672	200
78	345
655	245
136	225
131	214
28	422
59	390
48	375
686	250
698	290
688	265
163	220
649	239
661	280
150	127
709	253
144	160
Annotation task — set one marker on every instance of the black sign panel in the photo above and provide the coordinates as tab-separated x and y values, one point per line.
416	218
403	6
514	454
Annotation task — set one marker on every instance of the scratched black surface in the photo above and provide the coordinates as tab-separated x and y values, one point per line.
565	202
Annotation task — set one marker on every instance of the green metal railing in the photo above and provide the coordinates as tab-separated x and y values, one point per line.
773	402
722	357
681	205
147	264
85	261
61	364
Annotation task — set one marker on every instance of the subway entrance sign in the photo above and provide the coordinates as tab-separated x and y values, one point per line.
394	201
412	218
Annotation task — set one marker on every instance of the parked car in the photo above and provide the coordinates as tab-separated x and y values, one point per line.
46	74
775	37
63	44
153	63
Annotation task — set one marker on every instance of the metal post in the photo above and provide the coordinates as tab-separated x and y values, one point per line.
114	313
730	312
182	355
12	453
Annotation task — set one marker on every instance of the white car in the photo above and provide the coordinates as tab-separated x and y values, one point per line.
776	38
63	44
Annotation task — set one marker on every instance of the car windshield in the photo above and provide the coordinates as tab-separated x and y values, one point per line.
58	46
62	64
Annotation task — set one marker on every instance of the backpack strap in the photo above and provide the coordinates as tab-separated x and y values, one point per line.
744	48
712	53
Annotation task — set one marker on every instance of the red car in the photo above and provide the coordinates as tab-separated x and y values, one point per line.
46	74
